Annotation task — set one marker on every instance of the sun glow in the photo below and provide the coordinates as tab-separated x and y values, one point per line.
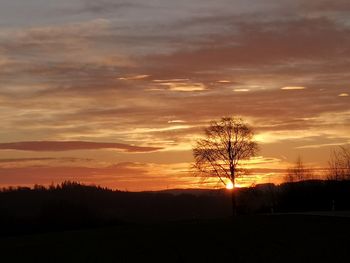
229	186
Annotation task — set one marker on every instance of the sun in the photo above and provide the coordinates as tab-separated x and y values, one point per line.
229	185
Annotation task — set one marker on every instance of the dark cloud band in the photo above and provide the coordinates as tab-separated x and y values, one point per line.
56	146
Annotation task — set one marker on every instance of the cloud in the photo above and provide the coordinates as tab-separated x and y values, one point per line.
137	77
293	88
241	90
16	160
124	176
106	6
184	86
224	81
56	146
263	43
326	5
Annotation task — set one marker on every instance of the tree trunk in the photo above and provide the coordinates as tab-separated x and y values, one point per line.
234	203
233	193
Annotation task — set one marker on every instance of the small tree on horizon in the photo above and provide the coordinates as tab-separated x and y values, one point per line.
226	143
298	172
339	164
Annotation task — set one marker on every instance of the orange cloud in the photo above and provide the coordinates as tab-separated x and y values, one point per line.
55	146
293	88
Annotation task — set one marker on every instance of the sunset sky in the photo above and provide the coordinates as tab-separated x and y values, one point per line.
114	92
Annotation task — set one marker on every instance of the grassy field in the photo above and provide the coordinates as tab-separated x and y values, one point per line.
279	238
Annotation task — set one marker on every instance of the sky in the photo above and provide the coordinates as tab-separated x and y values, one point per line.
115	93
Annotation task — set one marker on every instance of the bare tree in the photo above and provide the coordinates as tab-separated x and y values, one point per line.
339	164
298	172
220	153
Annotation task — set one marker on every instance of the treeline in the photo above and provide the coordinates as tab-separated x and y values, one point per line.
71	205
302	196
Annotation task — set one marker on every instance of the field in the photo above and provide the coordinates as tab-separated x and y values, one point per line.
275	238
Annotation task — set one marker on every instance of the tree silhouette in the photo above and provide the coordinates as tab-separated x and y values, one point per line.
298	172
339	164
220	153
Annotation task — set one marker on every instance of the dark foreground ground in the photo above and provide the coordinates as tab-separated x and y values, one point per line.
278	238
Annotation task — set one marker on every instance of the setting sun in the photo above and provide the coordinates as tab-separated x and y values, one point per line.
229	186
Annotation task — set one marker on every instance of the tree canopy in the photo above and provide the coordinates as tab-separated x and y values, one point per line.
226	143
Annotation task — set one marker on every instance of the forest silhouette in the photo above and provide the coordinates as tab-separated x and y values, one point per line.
71	205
